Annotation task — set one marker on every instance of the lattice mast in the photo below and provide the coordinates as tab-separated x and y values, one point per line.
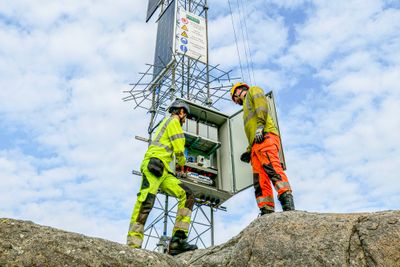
180	69
181	66
214	140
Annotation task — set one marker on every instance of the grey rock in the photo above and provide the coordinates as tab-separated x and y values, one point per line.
24	243
293	238
309	239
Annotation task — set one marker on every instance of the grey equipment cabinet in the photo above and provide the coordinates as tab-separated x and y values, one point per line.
213	145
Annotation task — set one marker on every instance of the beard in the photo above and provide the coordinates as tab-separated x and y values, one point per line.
182	121
240	102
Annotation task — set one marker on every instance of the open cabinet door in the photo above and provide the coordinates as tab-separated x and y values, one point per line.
272	113
242	172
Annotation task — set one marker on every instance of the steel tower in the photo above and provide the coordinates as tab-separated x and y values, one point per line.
180	69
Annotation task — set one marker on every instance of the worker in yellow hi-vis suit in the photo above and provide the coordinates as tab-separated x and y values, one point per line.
156	173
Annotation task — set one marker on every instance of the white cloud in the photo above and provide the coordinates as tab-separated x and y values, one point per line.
68	146
62	85
341	27
348	126
249	44
291	4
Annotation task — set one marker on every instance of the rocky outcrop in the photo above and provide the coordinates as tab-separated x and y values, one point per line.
24	243
280	239
309	239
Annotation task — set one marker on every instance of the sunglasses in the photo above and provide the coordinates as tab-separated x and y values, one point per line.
237	96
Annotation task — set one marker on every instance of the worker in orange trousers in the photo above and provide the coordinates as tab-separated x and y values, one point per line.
263	149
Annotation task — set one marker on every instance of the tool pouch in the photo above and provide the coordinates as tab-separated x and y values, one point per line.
156	167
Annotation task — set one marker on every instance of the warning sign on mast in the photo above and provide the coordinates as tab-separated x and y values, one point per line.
184	34
191	36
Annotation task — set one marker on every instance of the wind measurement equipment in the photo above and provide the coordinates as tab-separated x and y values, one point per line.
214	140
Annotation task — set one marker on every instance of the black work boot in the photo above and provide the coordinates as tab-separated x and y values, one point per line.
264	211
179	244
286	200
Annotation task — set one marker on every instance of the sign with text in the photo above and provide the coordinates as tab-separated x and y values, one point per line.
191	35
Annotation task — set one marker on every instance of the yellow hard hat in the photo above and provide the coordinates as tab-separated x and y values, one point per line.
236	86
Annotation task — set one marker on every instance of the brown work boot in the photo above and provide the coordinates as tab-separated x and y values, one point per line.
179	244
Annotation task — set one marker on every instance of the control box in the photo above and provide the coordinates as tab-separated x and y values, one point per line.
214	142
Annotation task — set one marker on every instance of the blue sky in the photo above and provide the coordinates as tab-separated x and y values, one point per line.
66	140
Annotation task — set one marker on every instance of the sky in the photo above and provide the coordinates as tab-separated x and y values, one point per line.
67	144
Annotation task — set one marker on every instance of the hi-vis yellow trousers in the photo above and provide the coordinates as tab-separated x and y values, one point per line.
170	185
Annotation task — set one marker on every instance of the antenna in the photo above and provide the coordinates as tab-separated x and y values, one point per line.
181	69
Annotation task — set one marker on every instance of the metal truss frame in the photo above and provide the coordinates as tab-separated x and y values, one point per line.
166	214
183	77
187	78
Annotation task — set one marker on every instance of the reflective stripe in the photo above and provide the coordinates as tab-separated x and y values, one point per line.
136	227
262	108
156	141
163	146
177	136
184	212
265	199
162	131
280	185
182	225
259	95
249	110
252	114
134	241
249	117
248	104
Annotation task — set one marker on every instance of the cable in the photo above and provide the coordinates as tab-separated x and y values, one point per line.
245	41
248	46
234	32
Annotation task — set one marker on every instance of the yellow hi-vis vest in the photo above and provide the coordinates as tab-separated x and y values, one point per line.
168	140
255	113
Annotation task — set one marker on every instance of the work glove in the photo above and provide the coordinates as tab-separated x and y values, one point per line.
259	137
245	157
180	171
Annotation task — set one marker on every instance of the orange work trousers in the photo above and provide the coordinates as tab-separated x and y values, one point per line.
267	168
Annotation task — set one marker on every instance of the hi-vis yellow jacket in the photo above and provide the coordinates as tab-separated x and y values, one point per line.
255	113
168	140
